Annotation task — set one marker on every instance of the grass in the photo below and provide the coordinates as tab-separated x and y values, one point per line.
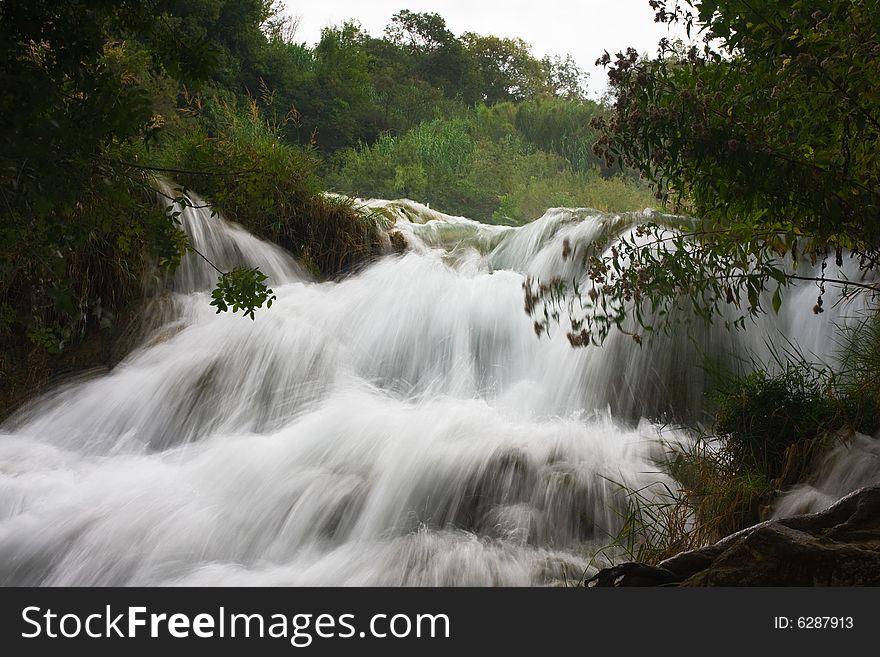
656	524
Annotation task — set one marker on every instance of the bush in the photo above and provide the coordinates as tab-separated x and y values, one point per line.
534	196
481	166
857	376
79	266
760	417
768	433
561	126
270	187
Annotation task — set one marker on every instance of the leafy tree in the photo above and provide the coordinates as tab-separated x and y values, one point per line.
419	32
567	80
341	105
402	97
506	68
435	54
768	132
87	88
285	73
233	31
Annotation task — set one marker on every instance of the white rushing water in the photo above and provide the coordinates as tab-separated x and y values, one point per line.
404	426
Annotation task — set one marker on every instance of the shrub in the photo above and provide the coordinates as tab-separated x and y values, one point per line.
760	416
270	187
768	433
481	166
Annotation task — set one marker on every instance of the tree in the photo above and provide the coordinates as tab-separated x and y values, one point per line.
507	70
567	80
420	32
404	99
87	87
768	132
435	55
341	105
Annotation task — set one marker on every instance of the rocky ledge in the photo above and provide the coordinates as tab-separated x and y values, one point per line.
836	547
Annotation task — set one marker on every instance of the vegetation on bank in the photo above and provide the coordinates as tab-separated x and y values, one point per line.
100	98
768	132
769	432
505	163
269	186
769	428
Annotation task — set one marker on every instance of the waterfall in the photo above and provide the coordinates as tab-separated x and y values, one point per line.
403	426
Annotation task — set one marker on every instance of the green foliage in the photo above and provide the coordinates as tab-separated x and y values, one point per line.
268	186
103	95
657	523
74	108
770	430
352	87
531	197
433	54
427	164
242	289
719	498
506	69
651	277
761	416
857	373
789	88
420	32
341	102
479	166
565	77
562	126
88	89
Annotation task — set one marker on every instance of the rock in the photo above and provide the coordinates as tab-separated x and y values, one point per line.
633	573
398	241
839	546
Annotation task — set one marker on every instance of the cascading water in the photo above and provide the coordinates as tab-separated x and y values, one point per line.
401	427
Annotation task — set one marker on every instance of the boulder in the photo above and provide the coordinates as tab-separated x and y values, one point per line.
839	546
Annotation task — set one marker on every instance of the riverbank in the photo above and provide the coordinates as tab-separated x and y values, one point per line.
839	546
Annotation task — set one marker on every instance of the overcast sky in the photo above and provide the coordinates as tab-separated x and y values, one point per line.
582	28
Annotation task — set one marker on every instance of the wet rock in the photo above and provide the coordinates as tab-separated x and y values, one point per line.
398	241
633	573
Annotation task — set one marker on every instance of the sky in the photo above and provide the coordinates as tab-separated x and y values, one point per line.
582	28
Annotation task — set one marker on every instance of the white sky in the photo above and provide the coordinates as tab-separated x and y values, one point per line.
582	28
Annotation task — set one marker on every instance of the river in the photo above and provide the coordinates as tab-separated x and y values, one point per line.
402	426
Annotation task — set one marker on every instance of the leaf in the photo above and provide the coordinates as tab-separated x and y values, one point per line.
777	301
777	274
753	297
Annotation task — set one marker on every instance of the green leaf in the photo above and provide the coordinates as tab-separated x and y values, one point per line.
777	301
242	289
753	297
